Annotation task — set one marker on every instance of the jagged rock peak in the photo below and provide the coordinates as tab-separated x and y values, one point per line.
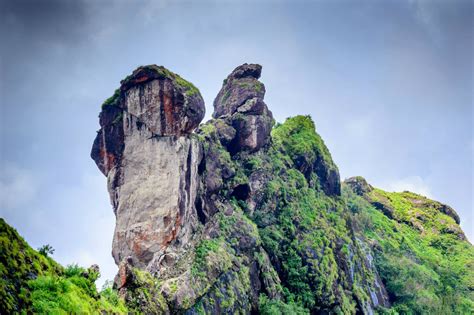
151	98
240	104
167	103
359	185
241	85
247	70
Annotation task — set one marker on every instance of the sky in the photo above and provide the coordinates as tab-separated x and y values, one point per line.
388	83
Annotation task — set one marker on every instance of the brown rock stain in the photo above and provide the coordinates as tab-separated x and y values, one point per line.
168	111
141	79
139	239
174	232
107	158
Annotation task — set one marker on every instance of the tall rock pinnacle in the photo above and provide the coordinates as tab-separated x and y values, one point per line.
144	149
240	102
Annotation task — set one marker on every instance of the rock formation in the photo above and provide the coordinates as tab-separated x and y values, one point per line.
236	215
240	104
145	149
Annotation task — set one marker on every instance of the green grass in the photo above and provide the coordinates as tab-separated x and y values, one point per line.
278	307
72	293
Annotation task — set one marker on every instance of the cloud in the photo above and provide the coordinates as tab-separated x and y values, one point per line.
45	19
425	14
18	187
414	184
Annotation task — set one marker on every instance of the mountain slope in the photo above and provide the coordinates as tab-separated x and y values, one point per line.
31	282
420	251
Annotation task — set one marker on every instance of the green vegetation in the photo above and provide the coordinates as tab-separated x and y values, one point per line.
258	86
190	89
110	302
113	100
298	139
278	307
19	263
304	223
46	250
32	282
202	253
427	269
300	227
143	294
73	292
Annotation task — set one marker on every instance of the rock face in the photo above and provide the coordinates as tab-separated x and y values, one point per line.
145	149
238	215
359	185
167	104
240	103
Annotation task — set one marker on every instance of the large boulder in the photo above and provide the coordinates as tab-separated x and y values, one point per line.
359	185
240	104
162	100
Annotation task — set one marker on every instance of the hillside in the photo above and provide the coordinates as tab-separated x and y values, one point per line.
33	283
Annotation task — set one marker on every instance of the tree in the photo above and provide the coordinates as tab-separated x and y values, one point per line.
46	250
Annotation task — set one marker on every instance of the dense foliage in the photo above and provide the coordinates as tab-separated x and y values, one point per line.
426	264
34	283
327	250
302	228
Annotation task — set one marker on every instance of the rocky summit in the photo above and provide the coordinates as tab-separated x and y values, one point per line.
242	215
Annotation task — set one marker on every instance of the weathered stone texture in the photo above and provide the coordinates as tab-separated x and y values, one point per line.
150	160
240	104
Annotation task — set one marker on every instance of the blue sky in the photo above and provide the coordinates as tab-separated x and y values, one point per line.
388	84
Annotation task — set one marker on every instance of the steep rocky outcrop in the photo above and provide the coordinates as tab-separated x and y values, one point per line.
239	215
145	149
417	247
236	215
384	202
240	104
